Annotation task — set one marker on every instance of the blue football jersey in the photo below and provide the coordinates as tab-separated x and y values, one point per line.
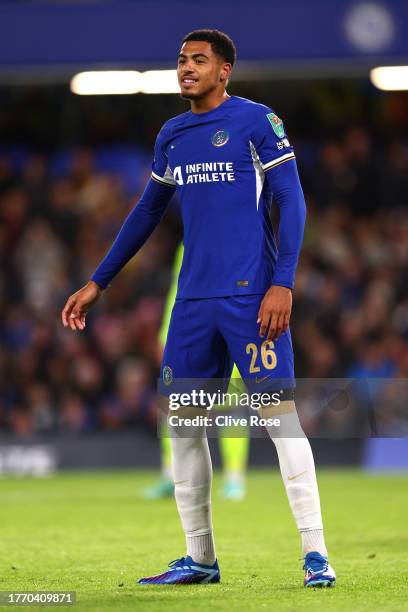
217	161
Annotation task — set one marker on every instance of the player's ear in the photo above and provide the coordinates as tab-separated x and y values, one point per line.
225	74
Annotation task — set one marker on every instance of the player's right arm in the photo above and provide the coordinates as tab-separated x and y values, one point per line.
134	232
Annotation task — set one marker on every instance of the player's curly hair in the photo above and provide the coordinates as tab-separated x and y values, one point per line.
221	43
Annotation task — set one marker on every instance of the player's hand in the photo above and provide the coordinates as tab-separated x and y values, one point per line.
74	312
274	312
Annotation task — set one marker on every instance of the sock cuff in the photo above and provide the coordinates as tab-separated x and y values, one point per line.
201	548
313	540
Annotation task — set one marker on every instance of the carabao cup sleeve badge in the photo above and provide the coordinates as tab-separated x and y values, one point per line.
277	124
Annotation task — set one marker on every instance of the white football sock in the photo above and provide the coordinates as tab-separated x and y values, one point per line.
299	477
192	473
201	548
313	540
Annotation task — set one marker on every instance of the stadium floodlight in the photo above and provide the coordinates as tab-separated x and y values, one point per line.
106	82
159	82
390	78
114	82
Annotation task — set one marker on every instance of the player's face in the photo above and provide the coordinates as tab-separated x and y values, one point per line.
200	71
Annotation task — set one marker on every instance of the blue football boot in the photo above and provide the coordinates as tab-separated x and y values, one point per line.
318	571
186	571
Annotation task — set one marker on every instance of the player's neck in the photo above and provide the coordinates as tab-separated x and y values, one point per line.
210	102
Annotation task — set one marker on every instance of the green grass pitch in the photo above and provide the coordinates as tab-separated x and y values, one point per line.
89	532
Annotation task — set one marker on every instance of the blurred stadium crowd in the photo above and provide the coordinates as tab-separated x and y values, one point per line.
350	315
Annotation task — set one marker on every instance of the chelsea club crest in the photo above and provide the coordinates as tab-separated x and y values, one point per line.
167	375
220	138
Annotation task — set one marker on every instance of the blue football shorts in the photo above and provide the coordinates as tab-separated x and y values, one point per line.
207	336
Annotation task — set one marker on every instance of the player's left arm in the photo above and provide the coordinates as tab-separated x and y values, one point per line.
278	163
276	306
